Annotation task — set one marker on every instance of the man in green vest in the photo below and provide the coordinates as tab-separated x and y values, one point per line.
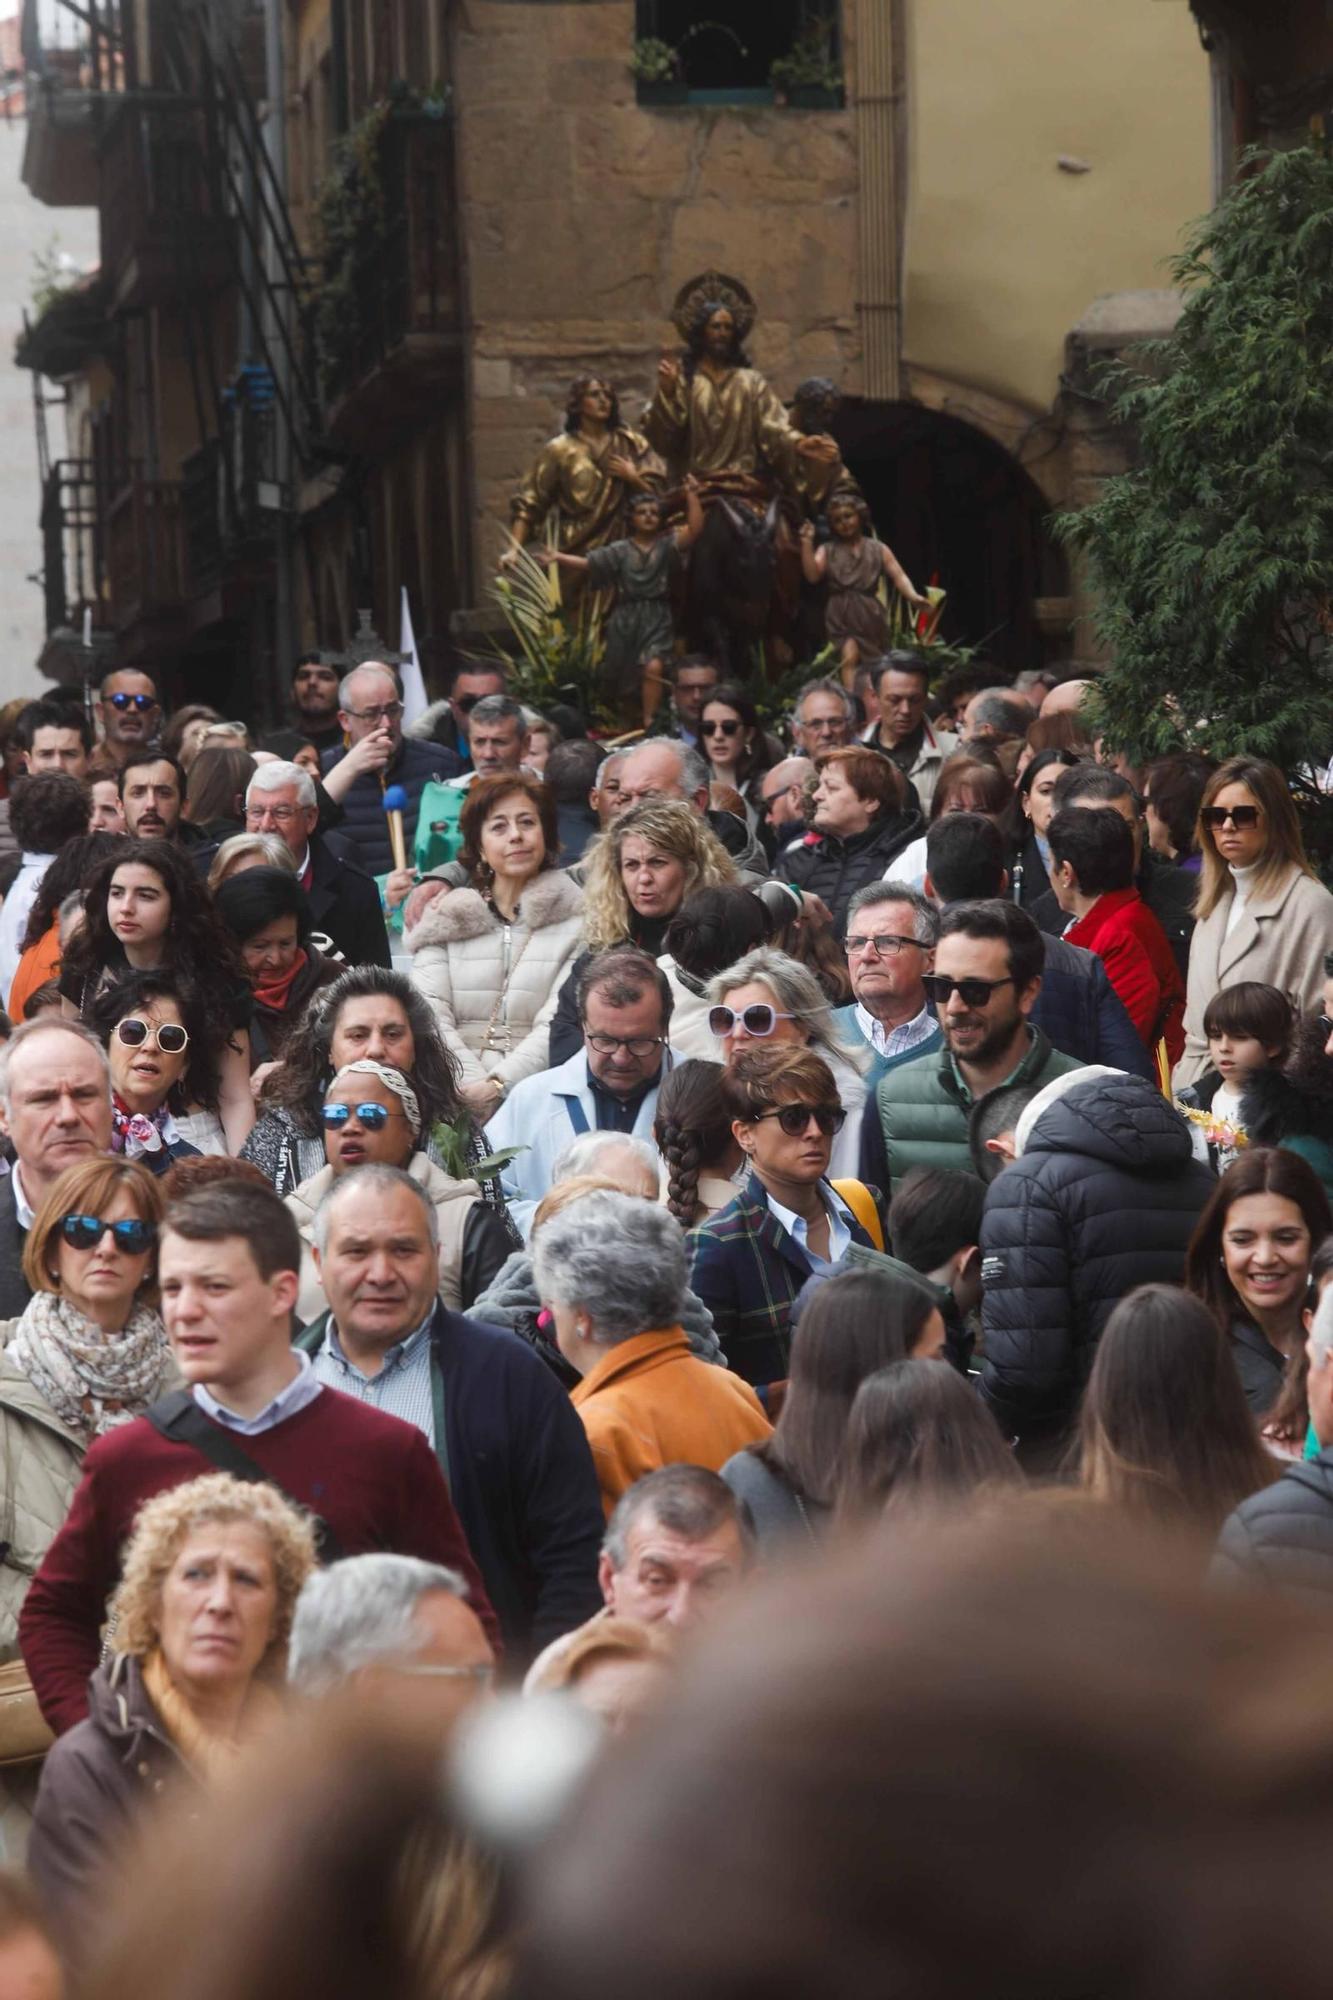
984	986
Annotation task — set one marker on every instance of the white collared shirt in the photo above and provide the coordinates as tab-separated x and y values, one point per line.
302	1390
23	1208
895	1041
839	1226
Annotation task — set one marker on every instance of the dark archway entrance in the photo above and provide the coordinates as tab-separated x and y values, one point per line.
956	509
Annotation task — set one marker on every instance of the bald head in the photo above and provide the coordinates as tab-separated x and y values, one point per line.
1063	700
785	791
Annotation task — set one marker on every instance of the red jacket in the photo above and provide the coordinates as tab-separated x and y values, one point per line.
1139	963
373	1478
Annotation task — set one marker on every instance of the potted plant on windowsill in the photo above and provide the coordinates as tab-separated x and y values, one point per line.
656	69
808	77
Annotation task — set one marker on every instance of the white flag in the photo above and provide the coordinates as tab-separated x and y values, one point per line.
414	687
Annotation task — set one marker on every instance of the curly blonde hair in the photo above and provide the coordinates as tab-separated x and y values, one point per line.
674	827
160	1529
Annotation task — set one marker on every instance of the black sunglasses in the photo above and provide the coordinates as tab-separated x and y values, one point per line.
139	701
720	728
972	992
373	1116
85	1232
171	1038
795	1118
1240	816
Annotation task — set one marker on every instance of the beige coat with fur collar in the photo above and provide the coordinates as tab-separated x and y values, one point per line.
493	985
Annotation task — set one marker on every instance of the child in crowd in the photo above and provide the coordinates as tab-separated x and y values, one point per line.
1249	1027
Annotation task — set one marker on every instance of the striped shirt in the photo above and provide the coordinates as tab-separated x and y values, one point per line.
402	1388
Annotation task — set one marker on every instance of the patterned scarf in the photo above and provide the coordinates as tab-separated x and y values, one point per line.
92	1381
135	1133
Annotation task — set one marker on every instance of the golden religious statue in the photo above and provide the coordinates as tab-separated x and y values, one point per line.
585	475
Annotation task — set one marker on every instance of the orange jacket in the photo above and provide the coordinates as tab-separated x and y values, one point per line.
649	1402
40	962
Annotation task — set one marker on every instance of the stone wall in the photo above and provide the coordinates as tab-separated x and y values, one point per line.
583	213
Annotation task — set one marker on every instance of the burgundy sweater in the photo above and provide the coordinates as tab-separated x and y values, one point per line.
374	1479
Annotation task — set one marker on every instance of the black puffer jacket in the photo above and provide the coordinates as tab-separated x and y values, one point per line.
827	866
1104	1198
1284	1534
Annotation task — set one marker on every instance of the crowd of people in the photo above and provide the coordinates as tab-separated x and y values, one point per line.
437	1278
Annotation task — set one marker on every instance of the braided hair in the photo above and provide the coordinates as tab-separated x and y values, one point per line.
693	1132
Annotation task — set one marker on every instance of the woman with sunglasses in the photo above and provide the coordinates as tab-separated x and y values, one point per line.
788	1223
159	1051
372	1117
372	1011
147	911
767	1000
1262	912
733	741
268	914
89	1352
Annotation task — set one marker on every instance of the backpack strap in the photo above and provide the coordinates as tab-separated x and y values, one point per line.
180	1418
862	1204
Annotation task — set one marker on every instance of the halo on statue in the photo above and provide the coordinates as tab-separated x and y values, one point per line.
713	285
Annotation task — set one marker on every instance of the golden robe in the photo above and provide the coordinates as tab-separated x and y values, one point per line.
737	425
566	477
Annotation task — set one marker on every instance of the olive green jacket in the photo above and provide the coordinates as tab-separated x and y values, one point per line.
924	1107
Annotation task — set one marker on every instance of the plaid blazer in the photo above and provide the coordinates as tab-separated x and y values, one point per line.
749	1272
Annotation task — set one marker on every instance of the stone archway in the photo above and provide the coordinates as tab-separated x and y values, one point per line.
958	508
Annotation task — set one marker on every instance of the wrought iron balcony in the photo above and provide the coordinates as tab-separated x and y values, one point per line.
164	229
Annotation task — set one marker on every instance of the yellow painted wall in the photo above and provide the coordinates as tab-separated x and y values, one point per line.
1005	251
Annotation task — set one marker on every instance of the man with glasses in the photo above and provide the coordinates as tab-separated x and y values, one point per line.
449	722
987	976
510	1445
608	1085
784	795
693	678
55	1110
368	1619
890	946
344	902
823	718
378	755
130	714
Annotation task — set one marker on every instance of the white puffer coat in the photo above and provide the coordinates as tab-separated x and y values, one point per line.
494	986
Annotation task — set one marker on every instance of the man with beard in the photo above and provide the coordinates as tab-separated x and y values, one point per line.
984	986
315	702
152	792
130	714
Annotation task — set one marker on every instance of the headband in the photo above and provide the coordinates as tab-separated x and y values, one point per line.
394	1080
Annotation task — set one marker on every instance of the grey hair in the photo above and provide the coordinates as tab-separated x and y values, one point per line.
379	666
272	777
686	1500
500	708
797	992
925	916
43	1025
996	708
272	846
695	775
357	1612
824	685
618	1259
616	757
581	1155
370	1181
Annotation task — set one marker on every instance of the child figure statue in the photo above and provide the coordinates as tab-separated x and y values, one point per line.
853	562
639	630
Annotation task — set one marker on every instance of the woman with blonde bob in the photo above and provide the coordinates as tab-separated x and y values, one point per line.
88	1353
1263	915
635	879
199	1628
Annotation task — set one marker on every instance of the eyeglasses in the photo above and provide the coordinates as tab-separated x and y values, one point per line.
972	992
640	1046
1326	1024
381	711
795	1118
85	1232
885	944
280	815
771	799
1240	816
169	1036
758	1020
139	701
719	728
373	1116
